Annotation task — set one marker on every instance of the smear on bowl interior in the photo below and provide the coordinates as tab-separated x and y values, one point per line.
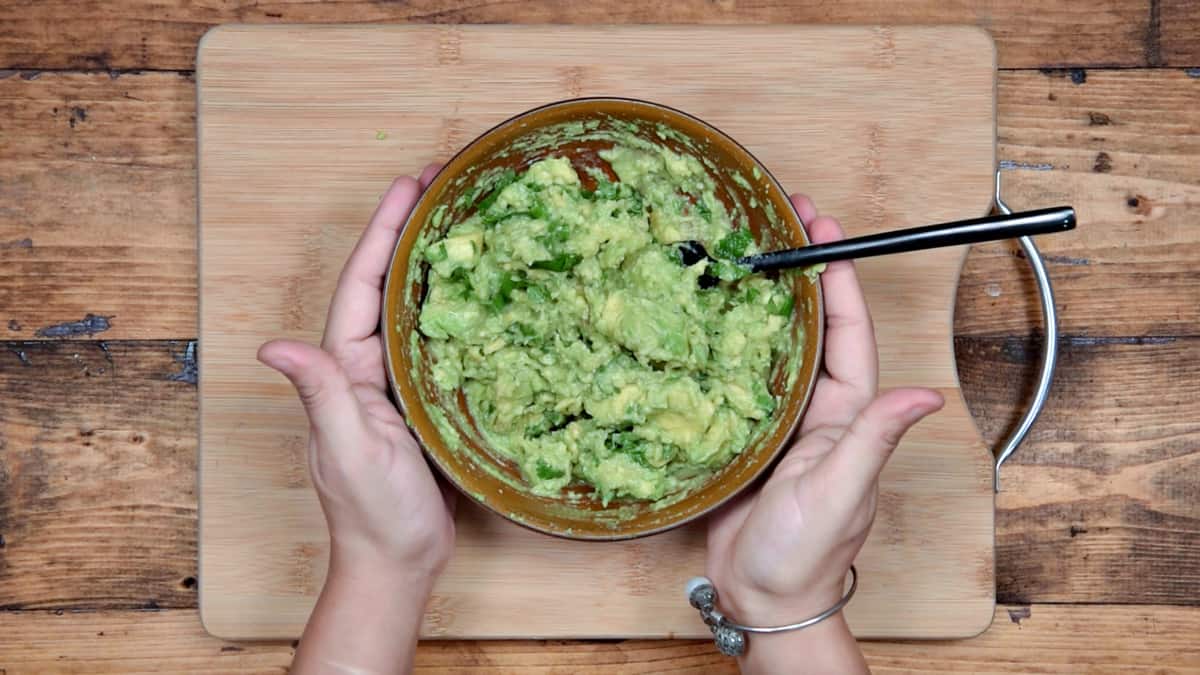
586	351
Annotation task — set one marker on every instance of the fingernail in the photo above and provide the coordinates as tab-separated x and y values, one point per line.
278	361
924	409
916	412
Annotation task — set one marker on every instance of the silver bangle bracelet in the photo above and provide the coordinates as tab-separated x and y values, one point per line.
729	635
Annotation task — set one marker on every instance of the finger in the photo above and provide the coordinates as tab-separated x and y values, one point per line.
850	353
354	310
861	453
324	389
428	174
804	208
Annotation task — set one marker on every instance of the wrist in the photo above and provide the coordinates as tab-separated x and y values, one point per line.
379	576
750	606
828	648
383	604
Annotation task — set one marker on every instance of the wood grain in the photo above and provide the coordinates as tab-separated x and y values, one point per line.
1108	485
1097	639
1024	127
97	475
1172	33
1101	639
128	642
1127	270
933	540
1099	506
1121	322
162	34
1123	148
97	205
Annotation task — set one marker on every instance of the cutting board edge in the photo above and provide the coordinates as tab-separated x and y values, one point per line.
231	631
218	624
215	33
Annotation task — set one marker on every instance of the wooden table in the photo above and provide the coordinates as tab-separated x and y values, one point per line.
1098	529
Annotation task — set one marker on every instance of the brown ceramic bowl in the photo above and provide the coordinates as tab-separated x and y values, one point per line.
487	477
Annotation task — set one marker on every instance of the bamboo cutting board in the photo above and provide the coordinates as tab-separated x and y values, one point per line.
301	129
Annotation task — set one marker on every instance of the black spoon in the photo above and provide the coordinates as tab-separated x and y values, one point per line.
957	233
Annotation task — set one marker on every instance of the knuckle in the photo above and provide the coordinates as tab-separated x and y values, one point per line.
312	394
882	433
891	435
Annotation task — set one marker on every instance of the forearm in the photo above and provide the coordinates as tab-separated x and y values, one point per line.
365	622
827	648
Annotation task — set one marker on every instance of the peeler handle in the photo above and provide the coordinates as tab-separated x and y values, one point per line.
1049	348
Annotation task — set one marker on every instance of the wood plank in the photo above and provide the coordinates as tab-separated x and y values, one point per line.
1098	639
1099	506
995	410
1102	504
137	192
1173	33
1126	271
162	34
98	206
97	474
127	641
1123	148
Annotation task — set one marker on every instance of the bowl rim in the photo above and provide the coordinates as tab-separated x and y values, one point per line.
399	400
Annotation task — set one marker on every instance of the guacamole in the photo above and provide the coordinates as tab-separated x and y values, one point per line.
586	351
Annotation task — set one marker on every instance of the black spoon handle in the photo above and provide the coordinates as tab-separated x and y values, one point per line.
975	230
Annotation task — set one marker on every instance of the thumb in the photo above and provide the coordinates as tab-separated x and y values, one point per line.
860	455
321	383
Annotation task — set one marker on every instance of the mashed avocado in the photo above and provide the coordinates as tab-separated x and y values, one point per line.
586	351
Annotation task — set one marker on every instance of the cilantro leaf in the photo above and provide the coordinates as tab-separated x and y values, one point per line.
546	472
734	244
559	263
782	307
509	282
729	271
508	177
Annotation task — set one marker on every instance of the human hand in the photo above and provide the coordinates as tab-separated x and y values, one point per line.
781	555
386	512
